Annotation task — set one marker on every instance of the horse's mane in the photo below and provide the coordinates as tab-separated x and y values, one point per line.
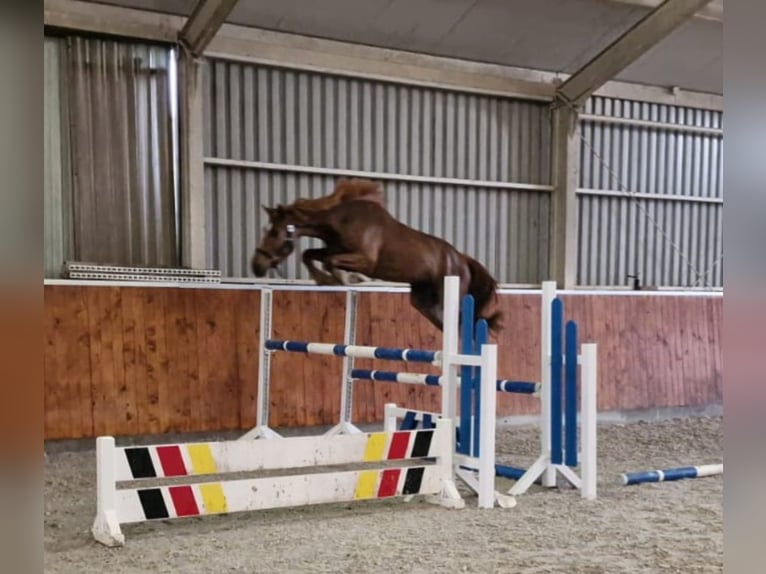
345	190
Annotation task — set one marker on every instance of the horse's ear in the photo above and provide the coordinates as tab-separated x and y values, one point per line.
270	211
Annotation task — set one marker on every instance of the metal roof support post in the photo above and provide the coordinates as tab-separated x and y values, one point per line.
565	177
191	162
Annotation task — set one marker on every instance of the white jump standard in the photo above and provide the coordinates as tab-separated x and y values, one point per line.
557	391
448	359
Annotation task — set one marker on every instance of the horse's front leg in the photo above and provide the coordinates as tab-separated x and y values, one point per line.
355	262
309	257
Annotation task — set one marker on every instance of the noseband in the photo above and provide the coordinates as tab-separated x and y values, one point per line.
287	246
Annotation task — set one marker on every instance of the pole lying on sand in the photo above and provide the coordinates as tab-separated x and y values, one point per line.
667	474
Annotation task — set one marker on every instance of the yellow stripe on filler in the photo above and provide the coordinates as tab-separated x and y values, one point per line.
213	497
366	485
375	447
202	458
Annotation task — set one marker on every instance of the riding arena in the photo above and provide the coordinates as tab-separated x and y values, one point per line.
316	304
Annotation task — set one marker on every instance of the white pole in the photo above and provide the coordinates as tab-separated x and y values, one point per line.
106	526
548	295
589	409
261	428
349	338
488	412
264	373
450	345
445	435
389	417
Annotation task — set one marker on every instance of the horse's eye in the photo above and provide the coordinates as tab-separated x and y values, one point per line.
273	233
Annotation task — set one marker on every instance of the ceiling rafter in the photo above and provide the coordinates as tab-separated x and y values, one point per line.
631	45
203	23
713	11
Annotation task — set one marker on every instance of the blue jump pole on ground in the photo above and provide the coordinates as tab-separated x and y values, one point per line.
570	395
672	474
512	472
557	360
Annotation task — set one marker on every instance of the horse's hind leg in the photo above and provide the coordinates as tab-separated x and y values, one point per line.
426	300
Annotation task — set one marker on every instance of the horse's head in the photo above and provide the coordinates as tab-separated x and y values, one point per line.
278	242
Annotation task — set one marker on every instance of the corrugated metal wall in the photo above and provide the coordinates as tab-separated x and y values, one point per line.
122	152
110	194
57	193
669	230
273	135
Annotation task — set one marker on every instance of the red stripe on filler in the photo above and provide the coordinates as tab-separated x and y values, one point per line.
171	461
183	500
388	482
399	443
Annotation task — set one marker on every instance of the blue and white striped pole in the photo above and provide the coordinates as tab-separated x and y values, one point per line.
671	474
358	351
502	385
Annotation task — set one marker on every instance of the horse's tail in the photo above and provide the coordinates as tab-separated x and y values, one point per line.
483	287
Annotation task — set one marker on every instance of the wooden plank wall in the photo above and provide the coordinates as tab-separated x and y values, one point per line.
132	360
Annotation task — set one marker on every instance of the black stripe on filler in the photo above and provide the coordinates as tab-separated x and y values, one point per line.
413	480
153	503
140	462
422	443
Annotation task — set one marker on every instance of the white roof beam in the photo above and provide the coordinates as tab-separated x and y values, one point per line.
203	24
626	49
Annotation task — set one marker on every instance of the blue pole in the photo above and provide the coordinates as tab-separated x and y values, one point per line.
482	337
557	316
466	347
672	474
570	395
512	472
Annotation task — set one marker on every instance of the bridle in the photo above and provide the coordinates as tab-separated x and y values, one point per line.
287	246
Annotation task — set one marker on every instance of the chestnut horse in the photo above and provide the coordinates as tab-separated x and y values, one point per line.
361	236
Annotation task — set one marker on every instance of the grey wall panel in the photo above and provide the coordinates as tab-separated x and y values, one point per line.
510	219
122	152
57	190
281	116
294	120
670	232
665	243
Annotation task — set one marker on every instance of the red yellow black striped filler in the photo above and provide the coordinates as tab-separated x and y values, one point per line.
171	460
152	503
172	463
422	443
389	480
399	443
413	480
140	462
403	444
184	502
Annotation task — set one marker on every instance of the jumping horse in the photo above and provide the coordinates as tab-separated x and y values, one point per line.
361	236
